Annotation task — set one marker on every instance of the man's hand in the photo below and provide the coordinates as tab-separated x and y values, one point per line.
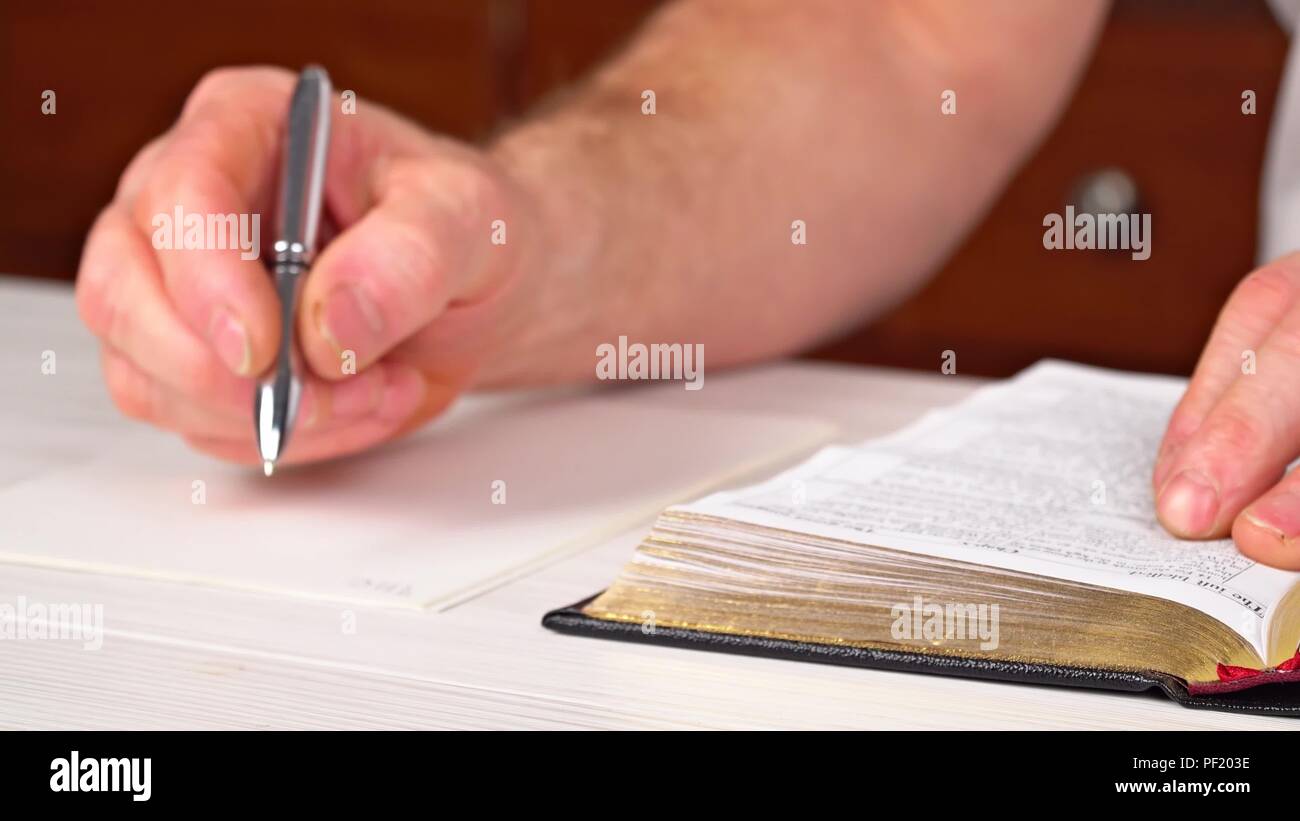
671	223
397	312
1221	465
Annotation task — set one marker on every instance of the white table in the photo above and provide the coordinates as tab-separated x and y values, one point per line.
179	656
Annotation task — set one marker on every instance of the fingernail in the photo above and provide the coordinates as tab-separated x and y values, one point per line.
1278	512
404	390
1189	504
350	321
228	338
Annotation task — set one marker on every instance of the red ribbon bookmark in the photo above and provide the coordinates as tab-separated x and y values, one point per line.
1232	678
1227	672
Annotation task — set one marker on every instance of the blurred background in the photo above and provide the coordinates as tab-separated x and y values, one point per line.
1156	125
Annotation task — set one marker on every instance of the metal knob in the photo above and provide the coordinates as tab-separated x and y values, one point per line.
1106	191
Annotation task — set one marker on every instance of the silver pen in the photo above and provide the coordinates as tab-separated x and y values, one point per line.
302	189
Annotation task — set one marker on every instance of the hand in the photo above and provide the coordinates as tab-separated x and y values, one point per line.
397	313
1221	465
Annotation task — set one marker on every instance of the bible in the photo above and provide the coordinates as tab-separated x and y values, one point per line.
1011	536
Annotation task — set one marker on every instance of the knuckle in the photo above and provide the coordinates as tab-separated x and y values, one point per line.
117	322
130	392
137	172
95	285
1233	433
174	182
214	84
413	172
437	205
419	273
188	174
95	306
157	196
223	83
455	189
1285	339
478	195
92	305
1274	284
171	183
1183	422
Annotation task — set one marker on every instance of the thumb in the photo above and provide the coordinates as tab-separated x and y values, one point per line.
425	243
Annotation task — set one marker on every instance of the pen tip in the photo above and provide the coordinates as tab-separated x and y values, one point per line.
268	467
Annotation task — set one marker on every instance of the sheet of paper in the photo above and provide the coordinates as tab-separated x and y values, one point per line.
430	521
1047	473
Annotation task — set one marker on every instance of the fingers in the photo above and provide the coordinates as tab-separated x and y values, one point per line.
1257	304
1243	444
201	206
1268	530
407	402
121	299
172	284
137	173
159	371
332	419
142	397
425	244
421	224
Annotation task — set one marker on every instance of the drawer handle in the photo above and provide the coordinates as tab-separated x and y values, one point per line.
1106	191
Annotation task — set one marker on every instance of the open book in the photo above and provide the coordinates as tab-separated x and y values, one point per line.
1011	536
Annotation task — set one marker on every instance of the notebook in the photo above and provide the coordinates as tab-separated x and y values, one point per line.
473	501
1011	536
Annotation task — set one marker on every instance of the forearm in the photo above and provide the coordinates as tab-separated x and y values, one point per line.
677	226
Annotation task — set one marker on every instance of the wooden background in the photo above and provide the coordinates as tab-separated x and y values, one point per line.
1160	102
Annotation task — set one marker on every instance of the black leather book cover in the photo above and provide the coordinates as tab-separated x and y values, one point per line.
1268	699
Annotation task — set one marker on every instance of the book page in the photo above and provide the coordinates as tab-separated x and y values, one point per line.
470	502
1048	473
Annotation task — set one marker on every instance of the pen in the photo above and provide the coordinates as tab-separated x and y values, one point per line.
302	187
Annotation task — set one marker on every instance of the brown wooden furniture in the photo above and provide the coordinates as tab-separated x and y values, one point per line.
1161	101
122	71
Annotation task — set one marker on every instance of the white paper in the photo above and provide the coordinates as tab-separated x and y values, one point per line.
1048	473
414	524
